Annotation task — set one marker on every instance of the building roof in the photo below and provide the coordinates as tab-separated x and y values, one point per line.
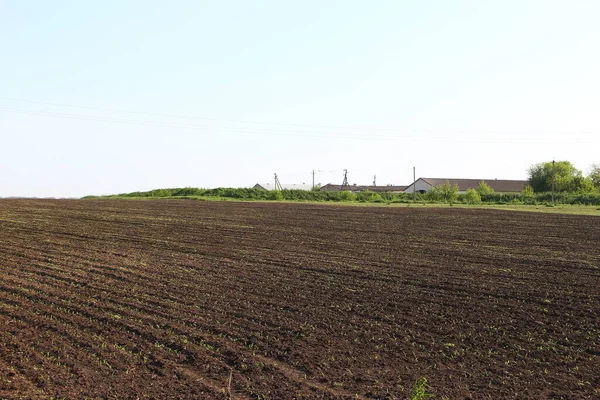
286	186
499	185
362	188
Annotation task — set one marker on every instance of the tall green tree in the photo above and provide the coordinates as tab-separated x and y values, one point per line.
472	197
563	174
449	192
594	175
484	188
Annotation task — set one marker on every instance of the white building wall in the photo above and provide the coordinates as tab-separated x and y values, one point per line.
419	185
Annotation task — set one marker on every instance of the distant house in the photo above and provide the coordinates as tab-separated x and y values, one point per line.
286	186
361	188
422	185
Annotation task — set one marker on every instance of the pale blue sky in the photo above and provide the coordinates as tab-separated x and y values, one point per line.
459	89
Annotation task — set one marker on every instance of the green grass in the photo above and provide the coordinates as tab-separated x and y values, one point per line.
558	209
420	390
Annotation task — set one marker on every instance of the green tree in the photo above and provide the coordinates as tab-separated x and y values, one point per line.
563	174
583	185
433	194
472	196
449	193
527	191
594	175
483	188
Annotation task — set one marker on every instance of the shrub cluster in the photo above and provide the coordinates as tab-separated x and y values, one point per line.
542	198
441	195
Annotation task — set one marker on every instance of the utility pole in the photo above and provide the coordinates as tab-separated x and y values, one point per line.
374	180
314	174
414	183
553	176
345	183
277	184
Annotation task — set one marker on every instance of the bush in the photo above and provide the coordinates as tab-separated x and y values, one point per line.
500	198
347	195
275	195
433	195
369	197
484	188
472	197
527	191
445	193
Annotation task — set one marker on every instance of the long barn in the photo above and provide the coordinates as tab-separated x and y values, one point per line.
361	188
423	185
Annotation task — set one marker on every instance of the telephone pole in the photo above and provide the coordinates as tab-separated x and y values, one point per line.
553	176
313	174
345	183
374	180
414	183
277	184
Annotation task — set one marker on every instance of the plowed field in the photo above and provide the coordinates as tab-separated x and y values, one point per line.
216	300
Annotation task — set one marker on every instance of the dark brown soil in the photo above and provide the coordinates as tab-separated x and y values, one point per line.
215	300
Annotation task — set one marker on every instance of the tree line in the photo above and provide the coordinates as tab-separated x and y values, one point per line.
570	187
563	177
549	181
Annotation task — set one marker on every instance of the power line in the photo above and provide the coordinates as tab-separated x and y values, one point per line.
322	135
440	139
203	127
284	124
191	117
194	127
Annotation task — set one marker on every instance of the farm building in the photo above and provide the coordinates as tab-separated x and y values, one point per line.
361	188
285	186
422	185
